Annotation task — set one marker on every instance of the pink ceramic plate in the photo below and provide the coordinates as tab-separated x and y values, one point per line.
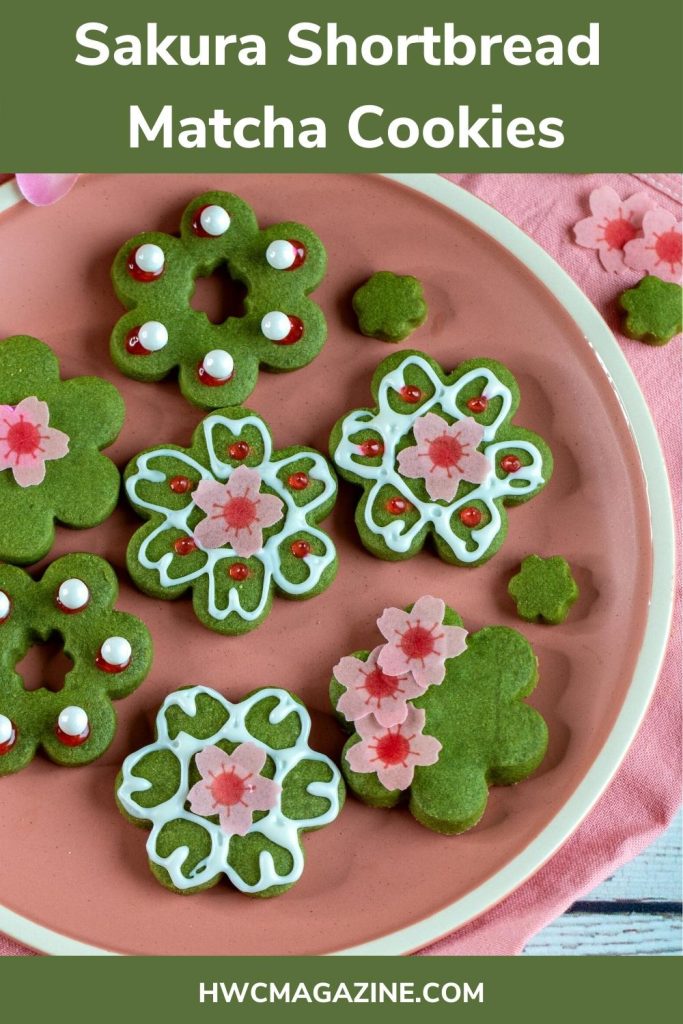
74	873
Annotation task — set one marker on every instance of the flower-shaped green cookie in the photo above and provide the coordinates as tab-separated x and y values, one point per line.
442	717
390	306
111	653
51	433
228	789
544	589
440	455
232	519
654	310
154	277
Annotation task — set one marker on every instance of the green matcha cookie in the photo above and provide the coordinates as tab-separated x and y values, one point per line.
111	653
544	589
228	789
654	310
390	306
439	455
233	520
437	716
51	433
154	277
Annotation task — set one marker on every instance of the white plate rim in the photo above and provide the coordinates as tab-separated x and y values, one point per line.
595	781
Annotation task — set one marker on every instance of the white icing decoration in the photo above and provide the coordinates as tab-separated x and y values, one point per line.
393	426
276	325
150	258
275	826
153	336
280	254
219	364
214	220
6	729
5	605
72	721
116	650
73	594
294	521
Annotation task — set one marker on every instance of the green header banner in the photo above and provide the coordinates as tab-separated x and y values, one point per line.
363	85
426	989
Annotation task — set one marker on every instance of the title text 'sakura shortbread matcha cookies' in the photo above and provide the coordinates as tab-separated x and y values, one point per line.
281	328
111	653
51	433
233	520
437	716
440	455
228	789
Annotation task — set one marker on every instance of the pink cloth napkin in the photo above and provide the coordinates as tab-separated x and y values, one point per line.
646	791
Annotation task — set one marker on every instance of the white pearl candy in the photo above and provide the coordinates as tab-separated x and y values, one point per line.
6	729
73	594
72	721
150	258
276	325
280	254
153	336
214	220
116	651
219	364
5	605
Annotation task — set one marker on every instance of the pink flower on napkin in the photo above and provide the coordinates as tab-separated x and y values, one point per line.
393	753
659	250
27	442
444	455
614	223
237	512
45	189
370	690
231	787
419	642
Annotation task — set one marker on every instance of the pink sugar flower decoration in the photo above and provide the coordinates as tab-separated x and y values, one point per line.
613	224
27	442
659	251
444	455
419	642
369	690
231	787
393	753
236	512
45	189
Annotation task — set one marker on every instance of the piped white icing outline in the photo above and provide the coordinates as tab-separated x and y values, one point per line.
295	518
275	826
393	426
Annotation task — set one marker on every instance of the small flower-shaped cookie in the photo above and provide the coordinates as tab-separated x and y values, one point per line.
544	589
390	306
439	455
654	310
279	327
228	789
111	653
51	433
232	519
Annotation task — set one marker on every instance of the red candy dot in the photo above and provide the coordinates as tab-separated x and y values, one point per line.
180	484
372	448
72	741
209	380
510	464
238	571
296	332
299	253
409	393
239	450
478	404
133	346
9	743
396	506
300	548
136	272
184	546
470	516
298	481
